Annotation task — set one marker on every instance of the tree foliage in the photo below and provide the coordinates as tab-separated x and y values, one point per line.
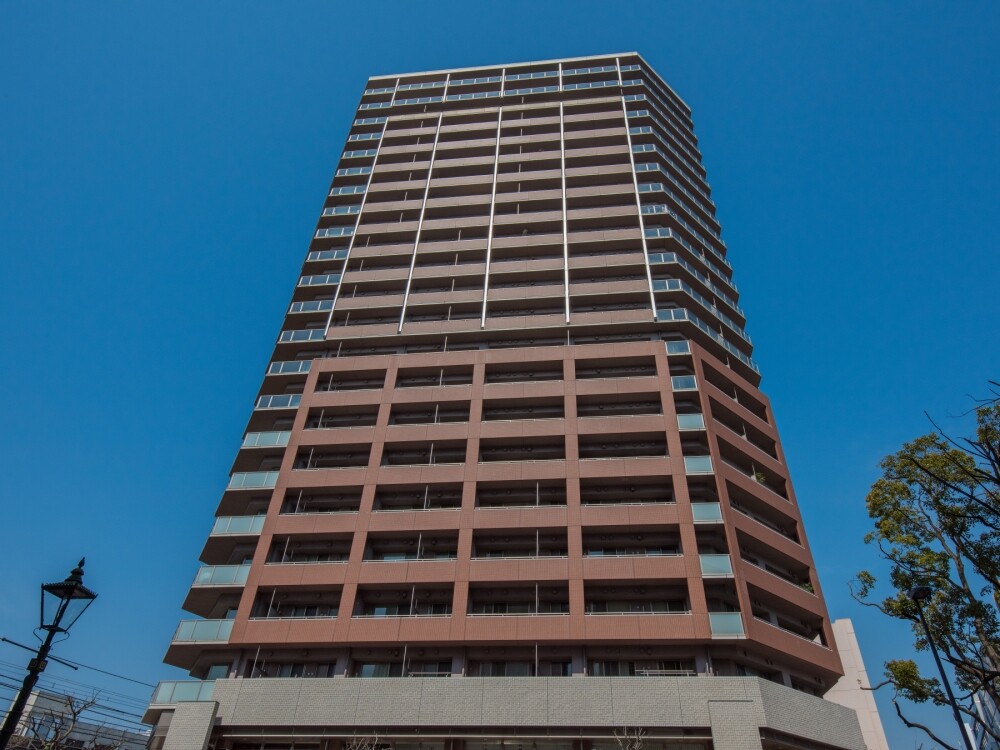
936	513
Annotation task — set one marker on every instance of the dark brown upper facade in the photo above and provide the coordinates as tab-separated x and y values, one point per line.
511	425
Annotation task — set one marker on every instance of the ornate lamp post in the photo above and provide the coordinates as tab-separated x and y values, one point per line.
919	594
62	604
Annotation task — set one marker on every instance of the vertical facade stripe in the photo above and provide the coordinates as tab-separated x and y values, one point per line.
638	199
420	224
357	223
565	225
489	231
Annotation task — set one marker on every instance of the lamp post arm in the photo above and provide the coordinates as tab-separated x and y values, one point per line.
944	682
35	667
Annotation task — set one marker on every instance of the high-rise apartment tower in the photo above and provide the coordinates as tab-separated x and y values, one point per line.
509	479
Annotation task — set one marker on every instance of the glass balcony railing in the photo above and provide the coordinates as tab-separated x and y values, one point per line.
190	631
585	71
678	347
706	512
334	254
684	383
533	76
417	100
323	279
473	81
334	231
418	86
691	421
652	148
676	285
294	367
310	306
342	210
698	465
466	97
675	258
726	624
589	85
534	90
280	401
696	199
349	190
222	575
716	565
303	334
679	313
266	439
237	525
253	480
176	691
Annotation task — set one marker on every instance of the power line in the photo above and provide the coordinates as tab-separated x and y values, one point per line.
104	671
61	693
90	715
123	697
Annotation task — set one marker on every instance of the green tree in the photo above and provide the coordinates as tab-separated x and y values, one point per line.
936	513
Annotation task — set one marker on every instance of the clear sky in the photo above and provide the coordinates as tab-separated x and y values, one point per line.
162	167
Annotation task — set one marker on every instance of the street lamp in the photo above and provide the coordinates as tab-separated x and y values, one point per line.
61	605
919	594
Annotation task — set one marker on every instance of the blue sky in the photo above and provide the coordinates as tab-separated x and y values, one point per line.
162	167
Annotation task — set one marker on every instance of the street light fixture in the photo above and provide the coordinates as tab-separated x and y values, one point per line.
920	594
62	604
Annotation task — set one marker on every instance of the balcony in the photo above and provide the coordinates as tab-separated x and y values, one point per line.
418	497
518	600
510	545
343	457
676	285
680	314
294	367
674	258
512	494
508	450
318	255
411	601
716	566
279	401
626	491
203	631
253	480
726	624
334	548
305	334
636	541
424	453
687	422
266	439
698	465
177	691
222	575
325	279
641	668
706	512
411	547
635	598
237	525
296	605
